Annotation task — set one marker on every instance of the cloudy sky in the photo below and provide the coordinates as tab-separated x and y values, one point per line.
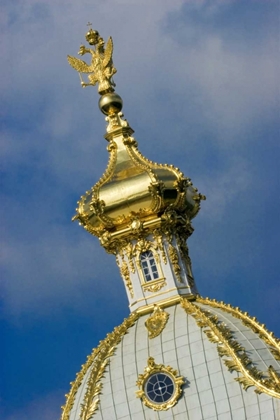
200	84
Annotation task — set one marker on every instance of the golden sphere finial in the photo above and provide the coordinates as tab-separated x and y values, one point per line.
110	103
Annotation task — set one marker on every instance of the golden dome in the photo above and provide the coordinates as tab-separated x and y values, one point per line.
134	192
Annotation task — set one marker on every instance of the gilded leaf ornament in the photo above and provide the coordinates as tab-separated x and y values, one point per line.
174	258
156	322
267	336
236	358
126	276
97	362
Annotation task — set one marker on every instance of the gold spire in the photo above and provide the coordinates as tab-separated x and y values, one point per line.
134	195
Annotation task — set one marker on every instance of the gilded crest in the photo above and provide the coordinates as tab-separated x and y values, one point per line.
156	322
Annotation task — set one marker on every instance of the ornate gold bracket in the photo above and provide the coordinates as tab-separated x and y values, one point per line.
156	322
237	359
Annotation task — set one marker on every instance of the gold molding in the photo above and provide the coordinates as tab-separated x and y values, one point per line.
156	323
168	370
165	303
237	358
267	336
98	360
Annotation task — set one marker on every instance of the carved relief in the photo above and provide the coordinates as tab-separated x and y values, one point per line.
156	322
159	240
125	274
154	287
174	258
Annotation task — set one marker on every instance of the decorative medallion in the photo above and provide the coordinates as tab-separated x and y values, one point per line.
156	322
160	387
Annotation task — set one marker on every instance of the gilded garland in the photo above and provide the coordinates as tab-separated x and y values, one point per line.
235	356
97	362
267	336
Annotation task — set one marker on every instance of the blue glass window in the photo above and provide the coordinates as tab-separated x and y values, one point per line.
149	266
159	388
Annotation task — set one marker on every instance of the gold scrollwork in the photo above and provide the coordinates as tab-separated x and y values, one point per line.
236	356
126	276
154	286
156	322
251	322
98	361
151	369
174	258
159	240
129	254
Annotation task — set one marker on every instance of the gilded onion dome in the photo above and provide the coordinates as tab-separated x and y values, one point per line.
133	190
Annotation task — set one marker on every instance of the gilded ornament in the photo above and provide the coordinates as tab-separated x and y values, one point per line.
115	121
152	369
156	322
159	240
267	336
173	255
101	68
130	254
125	274
155	286
236	356
98	361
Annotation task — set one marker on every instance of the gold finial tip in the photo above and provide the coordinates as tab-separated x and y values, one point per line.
110	103
92	37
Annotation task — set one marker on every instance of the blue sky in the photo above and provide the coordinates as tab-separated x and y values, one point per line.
200	84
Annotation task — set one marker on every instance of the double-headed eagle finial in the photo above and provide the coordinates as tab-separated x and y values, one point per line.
101	68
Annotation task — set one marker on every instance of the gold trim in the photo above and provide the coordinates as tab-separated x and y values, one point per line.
237	358
155	324
174	300
267	336
150	370
98	360
162	293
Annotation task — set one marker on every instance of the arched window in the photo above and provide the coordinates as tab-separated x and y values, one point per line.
149	266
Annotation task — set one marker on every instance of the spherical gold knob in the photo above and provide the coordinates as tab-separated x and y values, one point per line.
110	103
